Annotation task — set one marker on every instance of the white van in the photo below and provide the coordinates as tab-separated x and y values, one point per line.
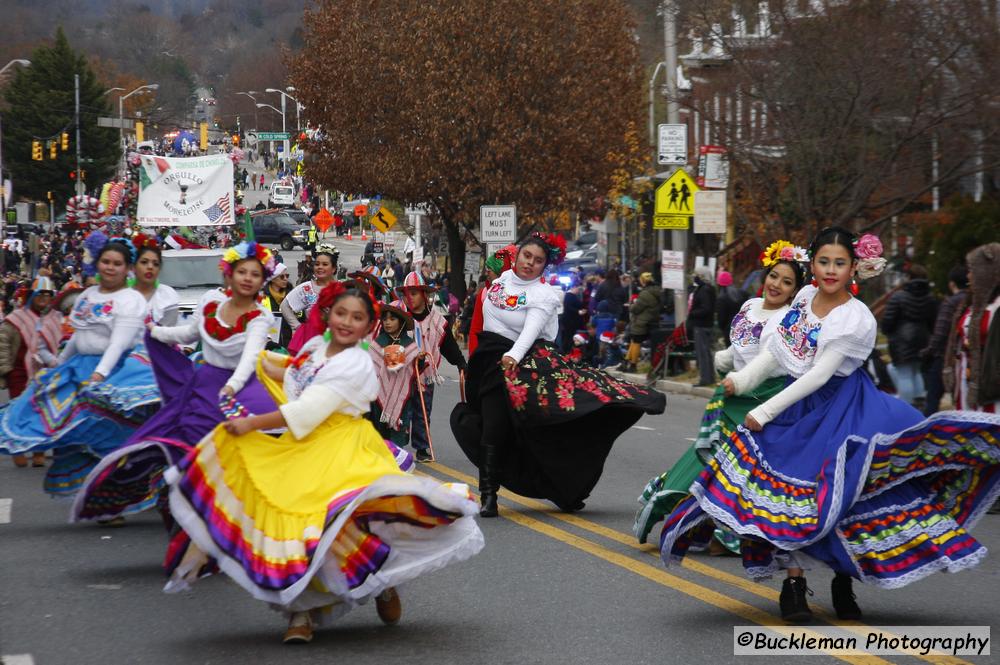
281	195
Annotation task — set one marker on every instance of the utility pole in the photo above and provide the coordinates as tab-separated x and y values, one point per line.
79	173
678	239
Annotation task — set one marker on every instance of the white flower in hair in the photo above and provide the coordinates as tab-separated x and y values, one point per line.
870	267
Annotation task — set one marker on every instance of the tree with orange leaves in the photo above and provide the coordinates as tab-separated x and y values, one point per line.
461	103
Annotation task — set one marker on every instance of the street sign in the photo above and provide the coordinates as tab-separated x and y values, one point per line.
672	270
117	123
382	219
472	263
672	144
710	215
675	203
494	247
378	248
713	167
498	224
274	136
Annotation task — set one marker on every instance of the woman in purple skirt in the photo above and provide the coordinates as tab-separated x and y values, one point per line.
196	396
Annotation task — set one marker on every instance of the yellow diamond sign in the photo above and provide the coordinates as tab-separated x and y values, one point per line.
674	207
383	219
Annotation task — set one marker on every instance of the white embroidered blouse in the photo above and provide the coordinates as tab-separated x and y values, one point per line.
319	386
163	306
745	335
810	348
105	324
237	352
522	311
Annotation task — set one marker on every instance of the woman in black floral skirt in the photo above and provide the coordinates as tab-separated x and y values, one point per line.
534	422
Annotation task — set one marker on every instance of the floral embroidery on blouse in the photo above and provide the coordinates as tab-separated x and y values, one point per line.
796	332
302	371
500	298
745	332
86	311
215	328
309	297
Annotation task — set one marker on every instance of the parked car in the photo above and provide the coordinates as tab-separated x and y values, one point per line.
280	228
585	241
281	195
298	215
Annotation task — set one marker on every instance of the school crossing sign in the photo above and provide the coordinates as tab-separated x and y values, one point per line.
674	206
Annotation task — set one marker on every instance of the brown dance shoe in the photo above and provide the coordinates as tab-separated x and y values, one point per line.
389	607
300	630
20	461
38	460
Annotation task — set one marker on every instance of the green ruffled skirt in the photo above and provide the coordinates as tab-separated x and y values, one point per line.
721	417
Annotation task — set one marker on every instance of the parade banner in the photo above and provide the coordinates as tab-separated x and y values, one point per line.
185	191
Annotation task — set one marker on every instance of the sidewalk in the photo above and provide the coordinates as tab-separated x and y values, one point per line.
667	385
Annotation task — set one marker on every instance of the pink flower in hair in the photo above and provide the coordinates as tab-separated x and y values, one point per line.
868	246
787	253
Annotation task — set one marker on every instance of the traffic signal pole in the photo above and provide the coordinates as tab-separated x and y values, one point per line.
79	179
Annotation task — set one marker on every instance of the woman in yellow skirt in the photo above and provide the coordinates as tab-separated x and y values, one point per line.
321	519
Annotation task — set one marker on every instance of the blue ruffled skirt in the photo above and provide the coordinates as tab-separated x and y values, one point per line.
80	422
855	478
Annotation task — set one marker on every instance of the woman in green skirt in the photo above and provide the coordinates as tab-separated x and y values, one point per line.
785	276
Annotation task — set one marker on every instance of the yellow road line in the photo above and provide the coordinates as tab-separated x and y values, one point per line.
629	540
660	576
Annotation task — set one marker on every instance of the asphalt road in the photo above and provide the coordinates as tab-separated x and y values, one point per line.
548	587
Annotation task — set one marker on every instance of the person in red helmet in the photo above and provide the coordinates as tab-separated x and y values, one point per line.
435	341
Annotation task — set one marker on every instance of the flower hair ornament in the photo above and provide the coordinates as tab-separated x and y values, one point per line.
782	250
94	244
327	248
555	246
142	241
248	250
868	250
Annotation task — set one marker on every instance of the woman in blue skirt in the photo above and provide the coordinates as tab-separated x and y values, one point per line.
100	390
831	467
196	395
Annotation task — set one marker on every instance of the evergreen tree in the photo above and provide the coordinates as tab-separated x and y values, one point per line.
40	101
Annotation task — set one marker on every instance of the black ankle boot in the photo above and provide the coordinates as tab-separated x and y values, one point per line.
488	504
843	598
488	484
794	608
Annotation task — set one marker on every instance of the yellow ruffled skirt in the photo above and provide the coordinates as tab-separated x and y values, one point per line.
321	523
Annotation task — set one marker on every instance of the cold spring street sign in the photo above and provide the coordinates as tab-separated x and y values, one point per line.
274	136
674	207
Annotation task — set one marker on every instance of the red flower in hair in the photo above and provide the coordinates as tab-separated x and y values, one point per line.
556	246
140	240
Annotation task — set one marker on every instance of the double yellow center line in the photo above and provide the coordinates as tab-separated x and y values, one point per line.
658	574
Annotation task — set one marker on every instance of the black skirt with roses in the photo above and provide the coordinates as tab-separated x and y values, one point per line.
565	418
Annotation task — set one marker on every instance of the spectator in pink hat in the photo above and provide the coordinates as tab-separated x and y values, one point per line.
729	301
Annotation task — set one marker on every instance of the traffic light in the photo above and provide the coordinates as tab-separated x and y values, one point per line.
72	175
52	150
36	151
83	174
65	141
236	139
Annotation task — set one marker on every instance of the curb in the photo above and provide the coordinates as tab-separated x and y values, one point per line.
666	386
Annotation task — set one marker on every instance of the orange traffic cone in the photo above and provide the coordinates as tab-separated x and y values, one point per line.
363	235
348	234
